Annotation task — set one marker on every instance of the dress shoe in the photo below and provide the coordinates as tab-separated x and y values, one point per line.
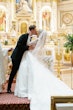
9	91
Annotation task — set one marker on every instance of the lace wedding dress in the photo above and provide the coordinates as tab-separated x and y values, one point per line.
37	82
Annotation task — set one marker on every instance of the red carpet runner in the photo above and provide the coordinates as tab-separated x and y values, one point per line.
10	102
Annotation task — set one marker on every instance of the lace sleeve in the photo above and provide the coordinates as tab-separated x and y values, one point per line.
32	40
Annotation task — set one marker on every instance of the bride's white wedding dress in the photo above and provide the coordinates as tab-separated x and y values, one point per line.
38	83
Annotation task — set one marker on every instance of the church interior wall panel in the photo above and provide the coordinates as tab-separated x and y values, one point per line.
66	17
65	14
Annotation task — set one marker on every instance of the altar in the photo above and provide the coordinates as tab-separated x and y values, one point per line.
62	103
65	106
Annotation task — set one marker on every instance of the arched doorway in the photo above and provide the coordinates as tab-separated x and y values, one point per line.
46	19
23	27
45	15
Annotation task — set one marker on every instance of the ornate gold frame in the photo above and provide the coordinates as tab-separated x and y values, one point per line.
60	99
65	15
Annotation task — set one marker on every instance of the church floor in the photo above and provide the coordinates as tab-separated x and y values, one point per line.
11	102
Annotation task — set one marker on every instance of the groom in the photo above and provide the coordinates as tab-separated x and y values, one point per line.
17	54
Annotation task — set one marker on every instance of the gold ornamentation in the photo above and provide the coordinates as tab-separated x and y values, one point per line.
67	56
67	18
58	58
48	52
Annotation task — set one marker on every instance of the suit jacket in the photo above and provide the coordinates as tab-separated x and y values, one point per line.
20	48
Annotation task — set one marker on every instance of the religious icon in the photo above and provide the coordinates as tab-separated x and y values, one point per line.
2	20
22	5
46	20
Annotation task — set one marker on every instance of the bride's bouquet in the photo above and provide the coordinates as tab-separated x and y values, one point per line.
33	40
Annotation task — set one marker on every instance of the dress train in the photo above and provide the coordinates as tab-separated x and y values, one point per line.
38	83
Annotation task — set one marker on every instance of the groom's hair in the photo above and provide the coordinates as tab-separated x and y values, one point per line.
32	27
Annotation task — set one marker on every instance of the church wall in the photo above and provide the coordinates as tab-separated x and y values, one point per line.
47	22
65	15
7	6
40	8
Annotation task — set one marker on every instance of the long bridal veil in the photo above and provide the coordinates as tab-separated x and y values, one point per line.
40	50
40	43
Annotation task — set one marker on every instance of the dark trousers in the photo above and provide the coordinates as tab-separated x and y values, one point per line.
13	73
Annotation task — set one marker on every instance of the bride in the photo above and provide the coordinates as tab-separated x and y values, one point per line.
36	81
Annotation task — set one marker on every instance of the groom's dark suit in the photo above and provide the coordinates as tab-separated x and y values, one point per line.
16	56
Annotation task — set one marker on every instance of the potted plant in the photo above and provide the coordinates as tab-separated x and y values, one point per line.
69	45
67	56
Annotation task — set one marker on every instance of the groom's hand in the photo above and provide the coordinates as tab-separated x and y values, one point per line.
31	47
10	65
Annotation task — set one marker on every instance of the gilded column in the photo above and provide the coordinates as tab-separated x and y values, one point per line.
34	8
54	16
39	16
8	15
13	8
